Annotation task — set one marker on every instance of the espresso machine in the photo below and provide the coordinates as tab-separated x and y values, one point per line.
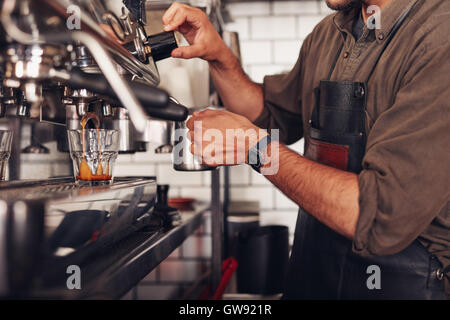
60	59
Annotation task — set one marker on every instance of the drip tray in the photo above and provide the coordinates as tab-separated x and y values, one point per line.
46	223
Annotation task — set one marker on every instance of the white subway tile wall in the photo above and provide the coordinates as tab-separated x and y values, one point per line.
271	32
286	52
44	165
273	27
238	9
304	24
295	7
259	52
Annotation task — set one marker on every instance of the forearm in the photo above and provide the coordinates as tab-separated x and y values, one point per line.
238	93
329	194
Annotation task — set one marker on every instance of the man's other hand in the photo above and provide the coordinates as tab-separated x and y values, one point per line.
220	137
193	23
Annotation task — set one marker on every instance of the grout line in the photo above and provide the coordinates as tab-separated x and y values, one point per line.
250	29
283	210
284	15
272	51
249	26
274	198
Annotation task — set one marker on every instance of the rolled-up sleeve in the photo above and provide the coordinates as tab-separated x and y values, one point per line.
282	102
405	181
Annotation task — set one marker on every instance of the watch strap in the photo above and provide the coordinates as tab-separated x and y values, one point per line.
256	153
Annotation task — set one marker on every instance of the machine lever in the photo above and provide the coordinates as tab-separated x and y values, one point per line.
155	101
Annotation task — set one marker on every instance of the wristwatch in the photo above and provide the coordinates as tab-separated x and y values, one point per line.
256	153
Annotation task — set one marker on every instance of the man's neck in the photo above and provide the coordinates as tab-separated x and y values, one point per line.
380	3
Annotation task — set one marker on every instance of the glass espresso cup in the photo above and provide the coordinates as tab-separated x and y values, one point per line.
93	153
6	137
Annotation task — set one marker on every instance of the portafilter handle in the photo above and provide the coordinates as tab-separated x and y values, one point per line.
158	47
162	45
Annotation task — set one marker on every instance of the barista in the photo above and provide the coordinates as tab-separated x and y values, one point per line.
373	107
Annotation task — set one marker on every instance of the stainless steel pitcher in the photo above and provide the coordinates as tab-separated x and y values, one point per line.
183	159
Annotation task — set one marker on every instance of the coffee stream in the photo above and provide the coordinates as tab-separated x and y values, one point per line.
85	171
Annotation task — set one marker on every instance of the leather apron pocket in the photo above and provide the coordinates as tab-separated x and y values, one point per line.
343	151
337	127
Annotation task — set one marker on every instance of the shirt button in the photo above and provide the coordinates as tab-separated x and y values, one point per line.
346	55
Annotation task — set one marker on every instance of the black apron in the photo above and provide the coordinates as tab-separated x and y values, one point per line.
323	265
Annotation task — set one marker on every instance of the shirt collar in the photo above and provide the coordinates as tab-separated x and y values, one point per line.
389	17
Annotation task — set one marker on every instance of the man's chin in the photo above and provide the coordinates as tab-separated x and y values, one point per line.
342	5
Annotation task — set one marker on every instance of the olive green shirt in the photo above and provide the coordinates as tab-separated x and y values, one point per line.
405	181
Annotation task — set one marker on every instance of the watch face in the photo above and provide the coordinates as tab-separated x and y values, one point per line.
255	154
254	158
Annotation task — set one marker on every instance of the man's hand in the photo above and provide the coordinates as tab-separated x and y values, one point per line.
221	137
193	23
239	94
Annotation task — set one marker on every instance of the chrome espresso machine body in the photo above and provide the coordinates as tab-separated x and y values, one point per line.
58	60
